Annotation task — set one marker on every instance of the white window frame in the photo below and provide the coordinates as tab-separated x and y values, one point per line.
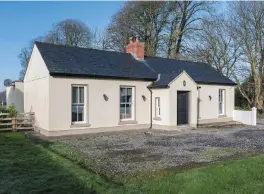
221	100
132	103
84	104
157	106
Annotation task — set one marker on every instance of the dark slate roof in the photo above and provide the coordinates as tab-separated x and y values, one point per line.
83	62
74	61
164	79
201	73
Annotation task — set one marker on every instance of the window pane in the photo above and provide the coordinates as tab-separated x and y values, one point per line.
220	108
122	94
74	113
80	113
220	95
128	111
129	94
122	111
81	94
74	94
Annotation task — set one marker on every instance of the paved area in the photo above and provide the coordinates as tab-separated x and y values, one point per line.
131	152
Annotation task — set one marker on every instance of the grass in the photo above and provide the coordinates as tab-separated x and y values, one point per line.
27	167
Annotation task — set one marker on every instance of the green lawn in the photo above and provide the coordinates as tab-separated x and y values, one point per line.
27	167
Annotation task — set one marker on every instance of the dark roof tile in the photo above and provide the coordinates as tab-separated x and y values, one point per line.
164	79
64	60
73	61
201	73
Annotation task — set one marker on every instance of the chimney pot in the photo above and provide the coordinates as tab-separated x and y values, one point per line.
137	38
131	40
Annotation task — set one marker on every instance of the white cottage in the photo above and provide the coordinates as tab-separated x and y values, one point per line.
77	90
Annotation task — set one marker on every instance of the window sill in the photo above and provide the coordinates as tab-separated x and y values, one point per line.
127	122
157	118
79	125
221	116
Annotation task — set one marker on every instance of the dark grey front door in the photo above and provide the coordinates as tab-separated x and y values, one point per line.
182	107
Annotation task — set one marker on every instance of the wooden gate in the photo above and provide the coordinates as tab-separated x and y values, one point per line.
23	121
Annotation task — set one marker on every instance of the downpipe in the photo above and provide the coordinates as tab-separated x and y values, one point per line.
150	108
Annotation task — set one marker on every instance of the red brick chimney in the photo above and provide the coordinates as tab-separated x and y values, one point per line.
136	47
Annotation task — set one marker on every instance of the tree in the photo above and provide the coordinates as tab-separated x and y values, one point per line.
70	32
7	82
100	40
163	26
183	20
146	19
24	57
248	24
217	46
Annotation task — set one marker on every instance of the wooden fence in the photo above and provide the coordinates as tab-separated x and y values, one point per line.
23	121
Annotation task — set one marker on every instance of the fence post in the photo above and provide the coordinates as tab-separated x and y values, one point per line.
14	123
254	116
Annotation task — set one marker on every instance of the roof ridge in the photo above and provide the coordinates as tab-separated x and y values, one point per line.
189	61
76	47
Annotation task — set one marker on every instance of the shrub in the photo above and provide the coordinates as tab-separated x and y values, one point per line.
12	111
2	108
242	108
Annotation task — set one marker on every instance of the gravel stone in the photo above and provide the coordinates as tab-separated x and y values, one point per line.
152	150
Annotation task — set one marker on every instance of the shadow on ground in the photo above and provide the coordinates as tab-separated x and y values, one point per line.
31	168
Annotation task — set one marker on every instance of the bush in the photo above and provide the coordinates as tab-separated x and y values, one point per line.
242	108
2	109
12	111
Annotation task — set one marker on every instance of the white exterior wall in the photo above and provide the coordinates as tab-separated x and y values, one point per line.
168	101
15	96
209	108
164	95
36	90
208	111
101	113
10	95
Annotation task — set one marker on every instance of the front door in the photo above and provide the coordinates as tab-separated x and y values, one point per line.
182	107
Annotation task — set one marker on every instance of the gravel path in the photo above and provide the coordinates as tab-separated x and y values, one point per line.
129	152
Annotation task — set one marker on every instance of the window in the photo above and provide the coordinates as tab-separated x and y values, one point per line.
126	103
157	107
221	102
78	104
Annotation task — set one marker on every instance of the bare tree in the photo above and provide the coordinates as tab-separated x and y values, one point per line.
70	32
24	57
216	45
163	26
100	40
184	19
248	24
146	19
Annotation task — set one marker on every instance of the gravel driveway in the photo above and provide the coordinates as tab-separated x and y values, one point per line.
130	152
